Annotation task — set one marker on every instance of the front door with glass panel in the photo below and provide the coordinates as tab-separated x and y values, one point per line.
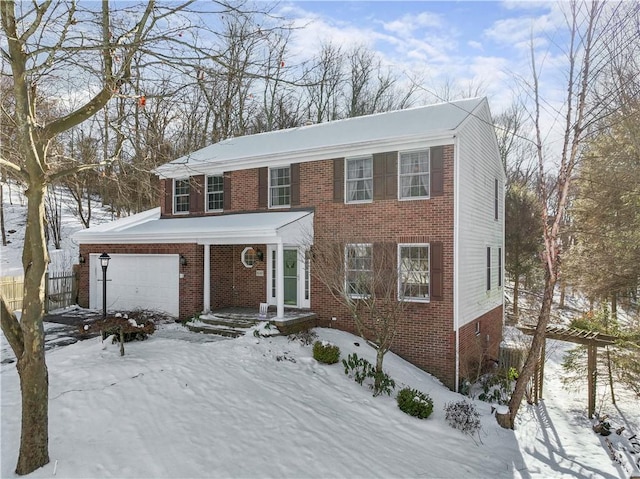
291	277
296	277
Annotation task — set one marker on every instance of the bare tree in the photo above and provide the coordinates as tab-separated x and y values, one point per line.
363	278
95	46
325	79
586	60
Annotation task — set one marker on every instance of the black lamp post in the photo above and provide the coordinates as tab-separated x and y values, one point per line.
104	262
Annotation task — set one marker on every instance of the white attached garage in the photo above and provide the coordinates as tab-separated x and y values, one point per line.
137	281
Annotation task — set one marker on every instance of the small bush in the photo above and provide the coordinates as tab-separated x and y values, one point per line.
360	369
463	416
326	353
415	403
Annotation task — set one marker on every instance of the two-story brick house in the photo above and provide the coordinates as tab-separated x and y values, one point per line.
235	219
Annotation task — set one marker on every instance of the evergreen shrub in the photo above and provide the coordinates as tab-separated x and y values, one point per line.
415	403
325	352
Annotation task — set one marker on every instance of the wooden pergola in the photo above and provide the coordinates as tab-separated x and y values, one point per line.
592	339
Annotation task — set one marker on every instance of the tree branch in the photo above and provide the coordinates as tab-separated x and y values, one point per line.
11	328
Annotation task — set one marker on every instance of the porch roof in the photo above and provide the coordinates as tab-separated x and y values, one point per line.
286	227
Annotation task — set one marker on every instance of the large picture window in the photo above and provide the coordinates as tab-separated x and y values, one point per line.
413	274
414	174
181	196
279	187
358	269
215	193
359	177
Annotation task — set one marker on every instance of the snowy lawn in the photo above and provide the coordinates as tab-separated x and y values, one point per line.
263	407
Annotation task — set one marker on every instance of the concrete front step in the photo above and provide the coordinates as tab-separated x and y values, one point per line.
220	331
228	322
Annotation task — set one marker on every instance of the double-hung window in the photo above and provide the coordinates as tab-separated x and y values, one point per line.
181	196
215	193
279	187
358	269
359	179
413	272
414	174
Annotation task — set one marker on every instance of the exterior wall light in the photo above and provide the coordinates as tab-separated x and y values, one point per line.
183	260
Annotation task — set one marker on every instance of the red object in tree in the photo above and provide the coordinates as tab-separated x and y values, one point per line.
142	101
282	63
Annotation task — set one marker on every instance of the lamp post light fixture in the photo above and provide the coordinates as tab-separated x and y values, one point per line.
104	262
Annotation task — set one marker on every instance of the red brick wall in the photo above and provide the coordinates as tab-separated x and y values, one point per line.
190	287
480	351
427	338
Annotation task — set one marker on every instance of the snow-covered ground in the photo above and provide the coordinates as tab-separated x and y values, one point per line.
177	406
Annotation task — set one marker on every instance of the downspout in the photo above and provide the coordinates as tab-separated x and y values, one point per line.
456	254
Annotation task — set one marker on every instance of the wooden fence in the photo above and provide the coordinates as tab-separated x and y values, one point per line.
60	290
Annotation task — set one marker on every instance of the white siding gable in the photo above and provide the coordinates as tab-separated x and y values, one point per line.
478	165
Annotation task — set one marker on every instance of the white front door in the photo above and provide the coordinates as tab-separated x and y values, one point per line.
296	277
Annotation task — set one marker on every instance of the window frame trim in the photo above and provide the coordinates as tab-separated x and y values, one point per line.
174	196
206	199
346	180
346	270
269	187
399	183
399	285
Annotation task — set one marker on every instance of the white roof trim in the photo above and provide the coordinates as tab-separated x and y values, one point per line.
286	227
389	131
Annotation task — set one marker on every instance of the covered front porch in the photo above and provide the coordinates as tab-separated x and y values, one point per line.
268	257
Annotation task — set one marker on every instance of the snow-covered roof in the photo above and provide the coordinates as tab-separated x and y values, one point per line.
352	136
269	227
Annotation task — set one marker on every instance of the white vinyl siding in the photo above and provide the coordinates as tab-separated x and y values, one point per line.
478	166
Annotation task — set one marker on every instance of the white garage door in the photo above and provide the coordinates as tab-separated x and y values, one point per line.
145	281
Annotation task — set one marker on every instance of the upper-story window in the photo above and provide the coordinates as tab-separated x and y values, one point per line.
215	193
279	187
181	196
359	179
414	174
413	272
358	269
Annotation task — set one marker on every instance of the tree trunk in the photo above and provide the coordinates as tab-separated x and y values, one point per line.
534	353
32	369
4	235
34	438
516	291
379	358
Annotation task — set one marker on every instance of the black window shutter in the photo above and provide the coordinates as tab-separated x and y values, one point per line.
385	172
294	171
168	196
263	187
338	179
385	275
437	272
391	175
437	171
226	191
196	194
378	176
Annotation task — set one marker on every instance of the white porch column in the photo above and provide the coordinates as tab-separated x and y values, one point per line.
206	297
280	280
